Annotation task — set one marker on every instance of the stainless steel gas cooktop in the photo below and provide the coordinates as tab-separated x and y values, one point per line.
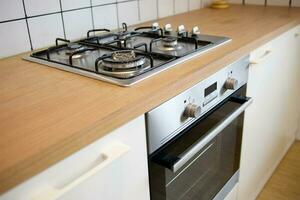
128	56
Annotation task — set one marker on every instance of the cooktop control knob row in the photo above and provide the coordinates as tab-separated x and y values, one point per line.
192	110
180	29
231	84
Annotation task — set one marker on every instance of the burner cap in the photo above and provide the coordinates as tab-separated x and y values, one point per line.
74	46
123	56
124	59
169	41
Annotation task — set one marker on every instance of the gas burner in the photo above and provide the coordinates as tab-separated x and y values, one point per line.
124	59
124	73
169	44
73	48
169	41
123	64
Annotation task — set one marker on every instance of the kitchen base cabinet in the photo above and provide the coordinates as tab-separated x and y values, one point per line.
112	168
271	122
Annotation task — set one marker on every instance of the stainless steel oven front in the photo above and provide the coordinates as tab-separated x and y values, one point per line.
194	139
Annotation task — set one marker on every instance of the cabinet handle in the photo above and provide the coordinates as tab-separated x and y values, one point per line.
109	154
255	62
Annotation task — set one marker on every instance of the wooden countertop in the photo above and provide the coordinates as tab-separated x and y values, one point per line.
47	114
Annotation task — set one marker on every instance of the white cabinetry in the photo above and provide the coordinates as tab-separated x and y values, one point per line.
112	168
271	122
297	35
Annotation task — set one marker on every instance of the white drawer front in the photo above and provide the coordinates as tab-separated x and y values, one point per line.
112	168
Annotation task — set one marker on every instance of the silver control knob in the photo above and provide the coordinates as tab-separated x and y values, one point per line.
155	26
231	84
168	28
195	31
192	110
181	29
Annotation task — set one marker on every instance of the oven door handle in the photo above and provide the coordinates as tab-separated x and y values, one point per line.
185	157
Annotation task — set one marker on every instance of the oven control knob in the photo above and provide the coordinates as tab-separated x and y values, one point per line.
231	84
155	26
168	28
195	31
181	29
192	110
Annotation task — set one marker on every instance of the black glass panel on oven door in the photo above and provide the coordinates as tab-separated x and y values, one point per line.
208	171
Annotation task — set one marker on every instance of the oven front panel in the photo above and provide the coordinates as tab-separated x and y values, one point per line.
168	119
206	172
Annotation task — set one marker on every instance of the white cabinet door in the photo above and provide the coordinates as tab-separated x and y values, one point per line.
271	121
297	35
112	168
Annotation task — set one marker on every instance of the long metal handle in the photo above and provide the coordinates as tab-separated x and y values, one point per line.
210	136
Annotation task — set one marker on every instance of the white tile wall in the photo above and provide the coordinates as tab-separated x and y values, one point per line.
83	23
44	30
296	3
74	4
194	4
102	2
181	6
148	10
49	19
165	8
19	44
38	7
206	3
105	16
278	2
128	12
11	9
235	1
255	2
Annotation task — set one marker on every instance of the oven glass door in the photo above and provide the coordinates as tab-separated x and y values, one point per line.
201	160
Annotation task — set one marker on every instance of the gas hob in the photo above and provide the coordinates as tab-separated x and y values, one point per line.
128	56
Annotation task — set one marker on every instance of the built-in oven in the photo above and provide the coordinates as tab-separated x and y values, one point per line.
199	159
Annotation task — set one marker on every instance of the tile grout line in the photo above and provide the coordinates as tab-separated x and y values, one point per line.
92	14
118	21
173	7
157	9
12	20
139	10
62	19
27	25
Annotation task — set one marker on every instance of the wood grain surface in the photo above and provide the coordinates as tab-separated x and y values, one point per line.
285	182
47	114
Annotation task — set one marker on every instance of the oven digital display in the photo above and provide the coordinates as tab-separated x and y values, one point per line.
210	89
